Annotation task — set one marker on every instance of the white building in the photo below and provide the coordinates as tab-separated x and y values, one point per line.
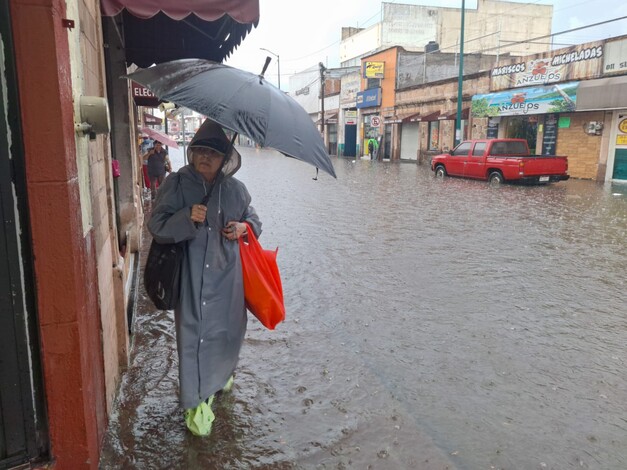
495	27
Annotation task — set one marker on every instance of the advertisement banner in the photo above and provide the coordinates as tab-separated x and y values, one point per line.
369	98
557	98
615	57
571	63
374	69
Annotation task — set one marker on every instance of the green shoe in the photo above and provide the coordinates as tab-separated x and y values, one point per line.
200	419
229	384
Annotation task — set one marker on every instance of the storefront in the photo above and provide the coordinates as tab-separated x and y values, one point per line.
571	102
368	104
608	96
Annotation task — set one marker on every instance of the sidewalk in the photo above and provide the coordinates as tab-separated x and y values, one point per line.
290	407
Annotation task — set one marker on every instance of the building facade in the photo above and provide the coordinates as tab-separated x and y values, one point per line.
72	226
413	26
570	101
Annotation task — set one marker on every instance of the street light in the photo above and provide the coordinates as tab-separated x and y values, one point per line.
278	63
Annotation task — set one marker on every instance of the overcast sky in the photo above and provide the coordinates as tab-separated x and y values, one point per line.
304	33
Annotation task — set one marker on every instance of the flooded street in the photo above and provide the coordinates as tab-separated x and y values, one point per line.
430	324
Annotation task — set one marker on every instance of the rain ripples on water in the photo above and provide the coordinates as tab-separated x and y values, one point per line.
430	324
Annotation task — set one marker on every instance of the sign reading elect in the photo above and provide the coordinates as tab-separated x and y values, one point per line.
143	96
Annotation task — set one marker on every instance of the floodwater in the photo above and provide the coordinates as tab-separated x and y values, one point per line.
431	324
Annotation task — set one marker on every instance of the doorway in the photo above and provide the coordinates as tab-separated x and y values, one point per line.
523	127
23	428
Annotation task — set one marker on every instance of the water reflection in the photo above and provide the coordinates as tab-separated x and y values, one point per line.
430	323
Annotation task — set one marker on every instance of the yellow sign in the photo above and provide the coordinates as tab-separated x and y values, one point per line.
374	69
621	140
622	126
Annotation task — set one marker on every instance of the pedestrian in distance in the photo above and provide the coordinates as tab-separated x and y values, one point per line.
158	164
211	313
372	146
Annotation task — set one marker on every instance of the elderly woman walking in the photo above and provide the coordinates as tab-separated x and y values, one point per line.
211	314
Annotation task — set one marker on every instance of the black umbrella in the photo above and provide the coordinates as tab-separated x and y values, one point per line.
242	102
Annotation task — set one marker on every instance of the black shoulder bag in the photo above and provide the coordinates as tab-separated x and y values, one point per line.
162	273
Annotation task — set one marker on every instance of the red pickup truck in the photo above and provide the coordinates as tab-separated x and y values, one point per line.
500	160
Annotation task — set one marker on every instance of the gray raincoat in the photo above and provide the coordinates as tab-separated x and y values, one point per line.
211	315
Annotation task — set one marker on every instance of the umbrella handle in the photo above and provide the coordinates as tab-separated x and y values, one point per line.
265	67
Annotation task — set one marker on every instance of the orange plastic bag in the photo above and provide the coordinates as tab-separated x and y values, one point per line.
263	290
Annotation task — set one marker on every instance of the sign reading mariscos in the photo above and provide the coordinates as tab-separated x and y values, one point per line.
557	98
572	63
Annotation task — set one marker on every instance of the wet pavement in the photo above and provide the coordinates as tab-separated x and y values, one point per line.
431	324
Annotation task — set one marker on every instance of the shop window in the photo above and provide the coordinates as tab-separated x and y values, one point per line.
434	135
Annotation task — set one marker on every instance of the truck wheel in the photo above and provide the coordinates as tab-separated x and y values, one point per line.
440	171
496	178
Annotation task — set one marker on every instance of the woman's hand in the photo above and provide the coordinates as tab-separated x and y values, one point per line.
199	212
234	230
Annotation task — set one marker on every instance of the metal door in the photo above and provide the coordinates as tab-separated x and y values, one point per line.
410	136
23	436
350	140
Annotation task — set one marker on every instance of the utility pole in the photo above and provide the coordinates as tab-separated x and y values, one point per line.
322	70
460	81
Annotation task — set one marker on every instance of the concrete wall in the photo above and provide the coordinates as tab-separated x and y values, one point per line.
305	89
410	26
515	21
357	45
413	26
417	68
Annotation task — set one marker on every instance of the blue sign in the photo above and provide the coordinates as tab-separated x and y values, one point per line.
369	98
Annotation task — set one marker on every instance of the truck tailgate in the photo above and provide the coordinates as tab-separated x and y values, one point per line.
538	166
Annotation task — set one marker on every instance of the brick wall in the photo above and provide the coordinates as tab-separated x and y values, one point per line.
581	149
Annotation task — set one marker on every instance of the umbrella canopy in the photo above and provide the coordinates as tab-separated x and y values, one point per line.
163	138
242	102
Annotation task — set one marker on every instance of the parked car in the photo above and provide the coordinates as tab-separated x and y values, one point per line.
500	160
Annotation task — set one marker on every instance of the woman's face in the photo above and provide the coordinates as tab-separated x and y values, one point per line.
207	162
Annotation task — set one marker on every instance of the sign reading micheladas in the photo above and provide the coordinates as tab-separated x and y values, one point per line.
556	98
571	63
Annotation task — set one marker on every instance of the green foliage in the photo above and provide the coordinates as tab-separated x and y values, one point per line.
481	108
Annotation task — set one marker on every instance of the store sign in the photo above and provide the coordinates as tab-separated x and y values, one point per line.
369	98
143	96
558	98
151	120
615	57
572	63
374	69
549	136
350	118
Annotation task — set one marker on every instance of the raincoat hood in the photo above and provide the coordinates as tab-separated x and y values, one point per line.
211	135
